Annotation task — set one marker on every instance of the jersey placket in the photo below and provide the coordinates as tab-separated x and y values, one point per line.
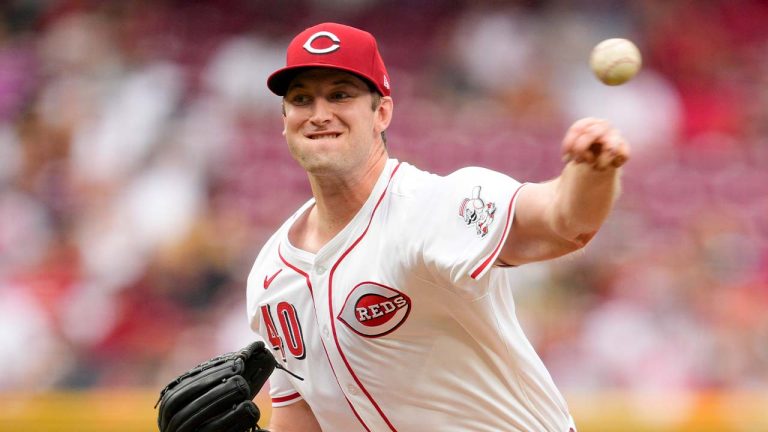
336	288
324	315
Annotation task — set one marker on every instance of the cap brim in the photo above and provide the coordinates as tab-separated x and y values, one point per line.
279	81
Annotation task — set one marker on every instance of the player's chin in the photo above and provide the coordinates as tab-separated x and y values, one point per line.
318	163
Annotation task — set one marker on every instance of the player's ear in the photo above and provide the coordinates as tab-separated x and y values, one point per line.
285	121
384	114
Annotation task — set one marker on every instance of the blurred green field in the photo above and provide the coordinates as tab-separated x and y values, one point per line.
131	410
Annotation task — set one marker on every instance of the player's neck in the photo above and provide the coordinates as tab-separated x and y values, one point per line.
337	200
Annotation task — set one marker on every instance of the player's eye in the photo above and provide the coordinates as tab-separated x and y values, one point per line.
340	95
299	99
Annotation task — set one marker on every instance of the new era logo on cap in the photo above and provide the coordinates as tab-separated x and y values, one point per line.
337	46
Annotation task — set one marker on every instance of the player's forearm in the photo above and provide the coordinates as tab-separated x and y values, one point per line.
584	197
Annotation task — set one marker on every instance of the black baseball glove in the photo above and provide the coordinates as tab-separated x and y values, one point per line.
217	396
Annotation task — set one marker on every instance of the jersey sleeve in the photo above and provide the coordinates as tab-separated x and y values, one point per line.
281	390
470	216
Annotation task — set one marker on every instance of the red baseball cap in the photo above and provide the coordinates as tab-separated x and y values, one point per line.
337	46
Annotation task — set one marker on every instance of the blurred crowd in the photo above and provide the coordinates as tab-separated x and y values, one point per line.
142	167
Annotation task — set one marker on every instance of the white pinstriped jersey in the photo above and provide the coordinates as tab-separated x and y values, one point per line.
401	322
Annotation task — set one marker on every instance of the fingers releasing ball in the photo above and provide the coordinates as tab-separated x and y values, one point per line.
615	61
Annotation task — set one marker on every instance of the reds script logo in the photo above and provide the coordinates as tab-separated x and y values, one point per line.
335	43
374	310
477	212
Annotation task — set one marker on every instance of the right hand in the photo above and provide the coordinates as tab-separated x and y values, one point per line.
595	142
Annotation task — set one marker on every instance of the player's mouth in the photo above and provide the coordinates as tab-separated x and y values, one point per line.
323	135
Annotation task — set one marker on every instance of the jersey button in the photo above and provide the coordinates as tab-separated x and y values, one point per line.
320	269
353	390
326	333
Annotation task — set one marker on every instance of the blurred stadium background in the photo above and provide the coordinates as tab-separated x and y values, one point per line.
142	167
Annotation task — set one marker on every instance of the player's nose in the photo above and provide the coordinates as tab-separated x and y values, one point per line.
321	112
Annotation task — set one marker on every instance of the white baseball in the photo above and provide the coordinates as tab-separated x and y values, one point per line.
615	61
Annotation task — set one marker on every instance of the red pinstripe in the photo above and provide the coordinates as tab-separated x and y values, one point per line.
282	399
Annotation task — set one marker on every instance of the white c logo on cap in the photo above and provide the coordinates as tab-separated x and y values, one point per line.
308	44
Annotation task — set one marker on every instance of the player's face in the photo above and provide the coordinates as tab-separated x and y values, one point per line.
331	125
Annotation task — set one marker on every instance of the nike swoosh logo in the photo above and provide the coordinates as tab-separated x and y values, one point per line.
268	279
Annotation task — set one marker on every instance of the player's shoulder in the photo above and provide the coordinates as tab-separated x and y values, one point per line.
415	182
474	173
410	181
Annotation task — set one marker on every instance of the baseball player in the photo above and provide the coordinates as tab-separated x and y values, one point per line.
386	291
